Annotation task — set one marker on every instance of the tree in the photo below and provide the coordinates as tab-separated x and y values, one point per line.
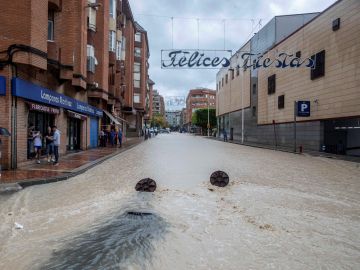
200	118
158	120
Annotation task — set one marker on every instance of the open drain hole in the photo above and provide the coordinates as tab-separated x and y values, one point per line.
146	185
135	213
219	179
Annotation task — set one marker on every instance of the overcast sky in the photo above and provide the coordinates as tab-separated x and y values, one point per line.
240	15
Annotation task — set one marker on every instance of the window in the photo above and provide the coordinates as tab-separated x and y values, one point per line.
136	98
91	60
237	70
271	84
254	89
50	25
336	24
253	111
92	19
226	78
137	52
281	102
123	48
319	68
113	9
112	41
118	50
138	37
137	67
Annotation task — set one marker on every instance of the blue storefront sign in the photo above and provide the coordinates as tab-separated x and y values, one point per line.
2	86
303	108
28	90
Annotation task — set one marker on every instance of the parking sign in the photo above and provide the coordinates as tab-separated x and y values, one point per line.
303	108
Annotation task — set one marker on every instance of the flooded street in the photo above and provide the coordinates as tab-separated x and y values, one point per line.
280	211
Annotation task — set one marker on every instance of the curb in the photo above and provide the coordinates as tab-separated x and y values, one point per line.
13	187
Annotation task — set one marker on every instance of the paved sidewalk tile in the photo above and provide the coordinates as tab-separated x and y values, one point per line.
68	164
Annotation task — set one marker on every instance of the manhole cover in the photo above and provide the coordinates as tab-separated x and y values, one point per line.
146	185
219	179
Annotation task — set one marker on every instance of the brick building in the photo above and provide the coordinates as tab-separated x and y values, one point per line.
158	105
199	98
68	63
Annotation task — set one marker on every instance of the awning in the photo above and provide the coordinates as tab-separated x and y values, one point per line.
112	118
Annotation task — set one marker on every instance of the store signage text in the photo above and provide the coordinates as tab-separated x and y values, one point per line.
197	59
43	108
30	91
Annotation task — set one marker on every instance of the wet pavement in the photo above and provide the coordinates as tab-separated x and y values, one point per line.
67	164
279	211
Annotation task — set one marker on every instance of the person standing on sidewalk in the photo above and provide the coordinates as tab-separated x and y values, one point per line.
49	145
56	139
225	135
120	137
37	145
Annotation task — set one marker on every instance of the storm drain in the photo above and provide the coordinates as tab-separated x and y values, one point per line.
134	213
146	185
219	179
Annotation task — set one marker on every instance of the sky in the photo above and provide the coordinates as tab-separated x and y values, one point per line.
200	24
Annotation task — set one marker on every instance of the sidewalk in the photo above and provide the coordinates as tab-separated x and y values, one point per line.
70	165
286	149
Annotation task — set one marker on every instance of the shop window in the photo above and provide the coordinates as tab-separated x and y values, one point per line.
319	69
50	25
281	102
271	84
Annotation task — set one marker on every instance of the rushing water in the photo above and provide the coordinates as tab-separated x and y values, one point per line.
280	211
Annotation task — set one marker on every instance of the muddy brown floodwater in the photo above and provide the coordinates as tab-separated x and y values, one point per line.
279	211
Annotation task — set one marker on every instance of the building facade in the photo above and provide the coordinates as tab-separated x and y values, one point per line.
158	104
199	98
65	63
173	118
332	40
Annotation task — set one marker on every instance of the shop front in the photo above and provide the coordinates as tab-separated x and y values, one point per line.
40	118
38	108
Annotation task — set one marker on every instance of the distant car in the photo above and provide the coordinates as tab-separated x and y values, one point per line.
164	131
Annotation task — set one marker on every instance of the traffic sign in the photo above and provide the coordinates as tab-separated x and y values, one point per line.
303	108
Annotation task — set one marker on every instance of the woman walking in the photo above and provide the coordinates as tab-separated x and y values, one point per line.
37	146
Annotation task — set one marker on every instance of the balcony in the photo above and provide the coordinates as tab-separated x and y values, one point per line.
52	50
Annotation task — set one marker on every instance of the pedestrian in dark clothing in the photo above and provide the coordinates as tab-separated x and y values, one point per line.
120	137
225	135
112	137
